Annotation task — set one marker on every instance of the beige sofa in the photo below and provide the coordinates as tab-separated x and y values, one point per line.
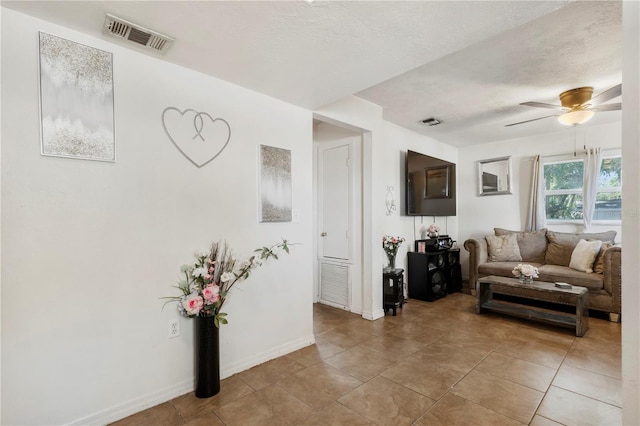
551	253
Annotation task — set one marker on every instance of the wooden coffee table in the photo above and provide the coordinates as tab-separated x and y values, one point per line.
538	290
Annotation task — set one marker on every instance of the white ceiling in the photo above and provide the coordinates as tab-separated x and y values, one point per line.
467	63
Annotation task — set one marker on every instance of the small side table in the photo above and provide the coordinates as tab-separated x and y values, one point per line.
392	289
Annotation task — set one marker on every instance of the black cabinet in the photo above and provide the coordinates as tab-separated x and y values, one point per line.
434	274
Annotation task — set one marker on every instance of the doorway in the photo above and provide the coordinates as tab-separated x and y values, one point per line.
338	216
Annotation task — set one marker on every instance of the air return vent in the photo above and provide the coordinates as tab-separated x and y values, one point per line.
125	30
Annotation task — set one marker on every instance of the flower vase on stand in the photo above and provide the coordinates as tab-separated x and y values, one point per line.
208	363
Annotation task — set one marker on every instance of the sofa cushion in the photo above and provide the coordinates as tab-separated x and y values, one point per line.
555	273
501	269
532	244
503	248
598	265
584	255
561	245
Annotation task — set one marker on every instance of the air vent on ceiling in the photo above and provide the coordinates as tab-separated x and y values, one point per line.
431	121
125	30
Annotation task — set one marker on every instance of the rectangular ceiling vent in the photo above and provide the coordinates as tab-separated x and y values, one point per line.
125	30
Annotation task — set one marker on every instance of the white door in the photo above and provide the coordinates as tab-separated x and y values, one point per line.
335	192
334	202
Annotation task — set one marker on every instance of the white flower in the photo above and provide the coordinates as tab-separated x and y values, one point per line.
186	268
199	272
227	276
526	269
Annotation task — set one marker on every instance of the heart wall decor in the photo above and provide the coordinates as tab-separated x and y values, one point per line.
197	135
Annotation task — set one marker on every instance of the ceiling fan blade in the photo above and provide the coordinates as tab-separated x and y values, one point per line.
608	94
528	121
607	107
541	105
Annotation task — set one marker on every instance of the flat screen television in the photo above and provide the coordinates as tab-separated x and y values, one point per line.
430	186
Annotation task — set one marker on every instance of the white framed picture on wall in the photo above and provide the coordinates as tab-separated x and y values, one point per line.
76	100
275	184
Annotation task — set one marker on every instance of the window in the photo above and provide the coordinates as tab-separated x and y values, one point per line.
563	181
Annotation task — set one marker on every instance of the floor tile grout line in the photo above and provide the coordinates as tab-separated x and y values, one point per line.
564	358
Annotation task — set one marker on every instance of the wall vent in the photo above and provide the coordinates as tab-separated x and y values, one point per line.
334	284
125	30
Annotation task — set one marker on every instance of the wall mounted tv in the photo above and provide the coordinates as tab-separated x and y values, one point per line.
430	186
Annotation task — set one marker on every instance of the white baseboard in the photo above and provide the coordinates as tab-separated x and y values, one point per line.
287	348
157	397
378	313
135	405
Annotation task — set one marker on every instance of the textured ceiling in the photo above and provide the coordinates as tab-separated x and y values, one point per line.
477	90
468	63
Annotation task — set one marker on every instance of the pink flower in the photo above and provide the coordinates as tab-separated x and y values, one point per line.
211	294
192	304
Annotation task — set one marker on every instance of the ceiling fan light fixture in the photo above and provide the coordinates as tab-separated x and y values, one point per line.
578	116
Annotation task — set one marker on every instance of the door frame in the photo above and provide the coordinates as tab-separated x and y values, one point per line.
359	220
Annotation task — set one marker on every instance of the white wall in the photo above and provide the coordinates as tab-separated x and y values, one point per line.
392	173
384	153
631	218
88	248
479	215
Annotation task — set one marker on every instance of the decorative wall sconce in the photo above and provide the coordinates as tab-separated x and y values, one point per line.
390	201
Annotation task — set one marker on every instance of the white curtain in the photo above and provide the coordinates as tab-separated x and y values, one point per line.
590	184
537	215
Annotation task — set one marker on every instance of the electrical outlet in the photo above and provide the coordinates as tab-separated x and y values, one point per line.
174	328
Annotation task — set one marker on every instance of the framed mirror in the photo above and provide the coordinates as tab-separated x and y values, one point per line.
494	176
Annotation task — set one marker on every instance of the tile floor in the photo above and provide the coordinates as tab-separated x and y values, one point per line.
433	364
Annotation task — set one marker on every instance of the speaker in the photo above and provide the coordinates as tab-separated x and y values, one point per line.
427	275
454	271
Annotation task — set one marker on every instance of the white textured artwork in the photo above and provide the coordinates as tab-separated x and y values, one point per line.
275	184
76	100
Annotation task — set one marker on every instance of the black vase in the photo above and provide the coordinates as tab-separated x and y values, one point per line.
208	363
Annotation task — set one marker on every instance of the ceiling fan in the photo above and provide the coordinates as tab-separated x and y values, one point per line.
577	105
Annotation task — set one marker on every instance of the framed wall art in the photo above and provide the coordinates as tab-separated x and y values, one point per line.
275	184
76	100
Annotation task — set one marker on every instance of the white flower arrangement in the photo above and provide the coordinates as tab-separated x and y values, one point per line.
207	283
526	270
433	228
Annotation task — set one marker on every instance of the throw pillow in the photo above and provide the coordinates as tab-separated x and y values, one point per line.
598	265
584	255
503	248
532	244
561	245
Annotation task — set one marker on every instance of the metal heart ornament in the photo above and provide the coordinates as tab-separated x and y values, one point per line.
197	135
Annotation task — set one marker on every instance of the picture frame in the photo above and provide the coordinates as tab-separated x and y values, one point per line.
437	182
76	100
422	246
275	184
494	176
